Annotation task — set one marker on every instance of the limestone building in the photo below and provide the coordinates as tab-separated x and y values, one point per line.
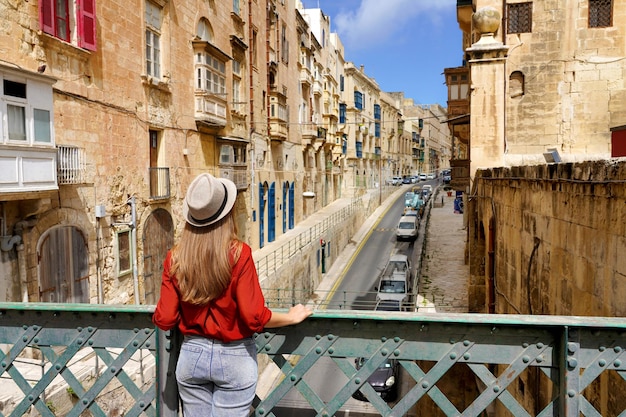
539	77
108	114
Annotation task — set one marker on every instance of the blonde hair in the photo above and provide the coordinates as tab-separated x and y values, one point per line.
203	260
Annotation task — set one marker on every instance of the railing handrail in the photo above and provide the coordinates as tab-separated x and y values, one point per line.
456	318
119	345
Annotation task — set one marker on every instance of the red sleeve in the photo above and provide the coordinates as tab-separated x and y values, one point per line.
167	312
249	297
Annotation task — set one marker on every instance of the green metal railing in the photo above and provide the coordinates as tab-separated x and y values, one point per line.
109	360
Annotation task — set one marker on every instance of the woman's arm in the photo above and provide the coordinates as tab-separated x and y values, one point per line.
295	315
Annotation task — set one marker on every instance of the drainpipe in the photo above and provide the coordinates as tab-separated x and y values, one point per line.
133	233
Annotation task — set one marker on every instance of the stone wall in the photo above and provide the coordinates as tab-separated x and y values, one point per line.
550	239
557	235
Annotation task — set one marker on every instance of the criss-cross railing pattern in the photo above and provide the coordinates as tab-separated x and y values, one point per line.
63	360
502	352
58	360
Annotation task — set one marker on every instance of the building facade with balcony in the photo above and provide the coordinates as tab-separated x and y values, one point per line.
108	118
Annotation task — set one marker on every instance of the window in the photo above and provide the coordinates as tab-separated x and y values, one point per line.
253	47
232	154
236	7
284	46
377	129
377	111
341	82
237	99
21	104
210	74
204	31
600	13
520	17
342	113
358	100
359	149
70	21
124	255
153	40
516	84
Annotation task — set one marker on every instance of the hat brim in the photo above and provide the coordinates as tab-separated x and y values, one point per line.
231	197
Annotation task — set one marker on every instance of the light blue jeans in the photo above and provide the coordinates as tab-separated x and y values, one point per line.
216	379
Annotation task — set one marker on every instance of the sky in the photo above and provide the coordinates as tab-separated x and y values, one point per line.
403	44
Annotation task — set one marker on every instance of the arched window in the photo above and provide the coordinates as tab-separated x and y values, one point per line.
204	31
516	84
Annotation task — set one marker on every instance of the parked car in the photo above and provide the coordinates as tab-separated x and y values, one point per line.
397	180
422	177
385	379
431	176
388	305
406	180
407	228
447	178
427	191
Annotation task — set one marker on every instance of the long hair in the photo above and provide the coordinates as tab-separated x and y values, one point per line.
203	260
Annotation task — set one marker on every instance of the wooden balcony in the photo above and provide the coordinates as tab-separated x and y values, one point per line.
460	174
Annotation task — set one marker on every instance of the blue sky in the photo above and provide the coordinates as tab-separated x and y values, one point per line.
403	44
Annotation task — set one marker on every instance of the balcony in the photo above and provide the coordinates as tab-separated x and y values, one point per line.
305	76
210	110
279	117
457	80
318	88
237	174
449	364
25	172
71	167
460	174
159	183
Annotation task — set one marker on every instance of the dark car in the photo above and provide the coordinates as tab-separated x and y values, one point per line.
385	379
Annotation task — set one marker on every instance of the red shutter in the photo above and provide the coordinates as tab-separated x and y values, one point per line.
86	17
46	16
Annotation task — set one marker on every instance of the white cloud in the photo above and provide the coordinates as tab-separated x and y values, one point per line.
377	21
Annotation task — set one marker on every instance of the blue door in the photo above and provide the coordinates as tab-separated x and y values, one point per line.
261	215
285	205
291	206
271	214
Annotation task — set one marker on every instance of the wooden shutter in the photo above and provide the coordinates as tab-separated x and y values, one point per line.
86	17
46	16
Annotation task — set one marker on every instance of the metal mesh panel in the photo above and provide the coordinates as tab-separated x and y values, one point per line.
520	17
600	13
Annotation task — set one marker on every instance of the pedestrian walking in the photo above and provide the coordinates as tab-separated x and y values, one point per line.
210	291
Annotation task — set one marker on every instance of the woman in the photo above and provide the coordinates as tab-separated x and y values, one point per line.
210	291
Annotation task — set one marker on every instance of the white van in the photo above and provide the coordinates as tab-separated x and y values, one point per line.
407	228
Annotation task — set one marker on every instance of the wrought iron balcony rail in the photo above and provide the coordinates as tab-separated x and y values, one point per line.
65	359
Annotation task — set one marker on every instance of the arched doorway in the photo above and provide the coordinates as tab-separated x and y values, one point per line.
158	238
63	266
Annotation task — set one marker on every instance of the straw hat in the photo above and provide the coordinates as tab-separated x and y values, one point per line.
208	200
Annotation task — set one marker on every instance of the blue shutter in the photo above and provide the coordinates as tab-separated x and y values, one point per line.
261	215
271	214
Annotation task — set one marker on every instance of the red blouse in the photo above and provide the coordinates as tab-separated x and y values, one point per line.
238	313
